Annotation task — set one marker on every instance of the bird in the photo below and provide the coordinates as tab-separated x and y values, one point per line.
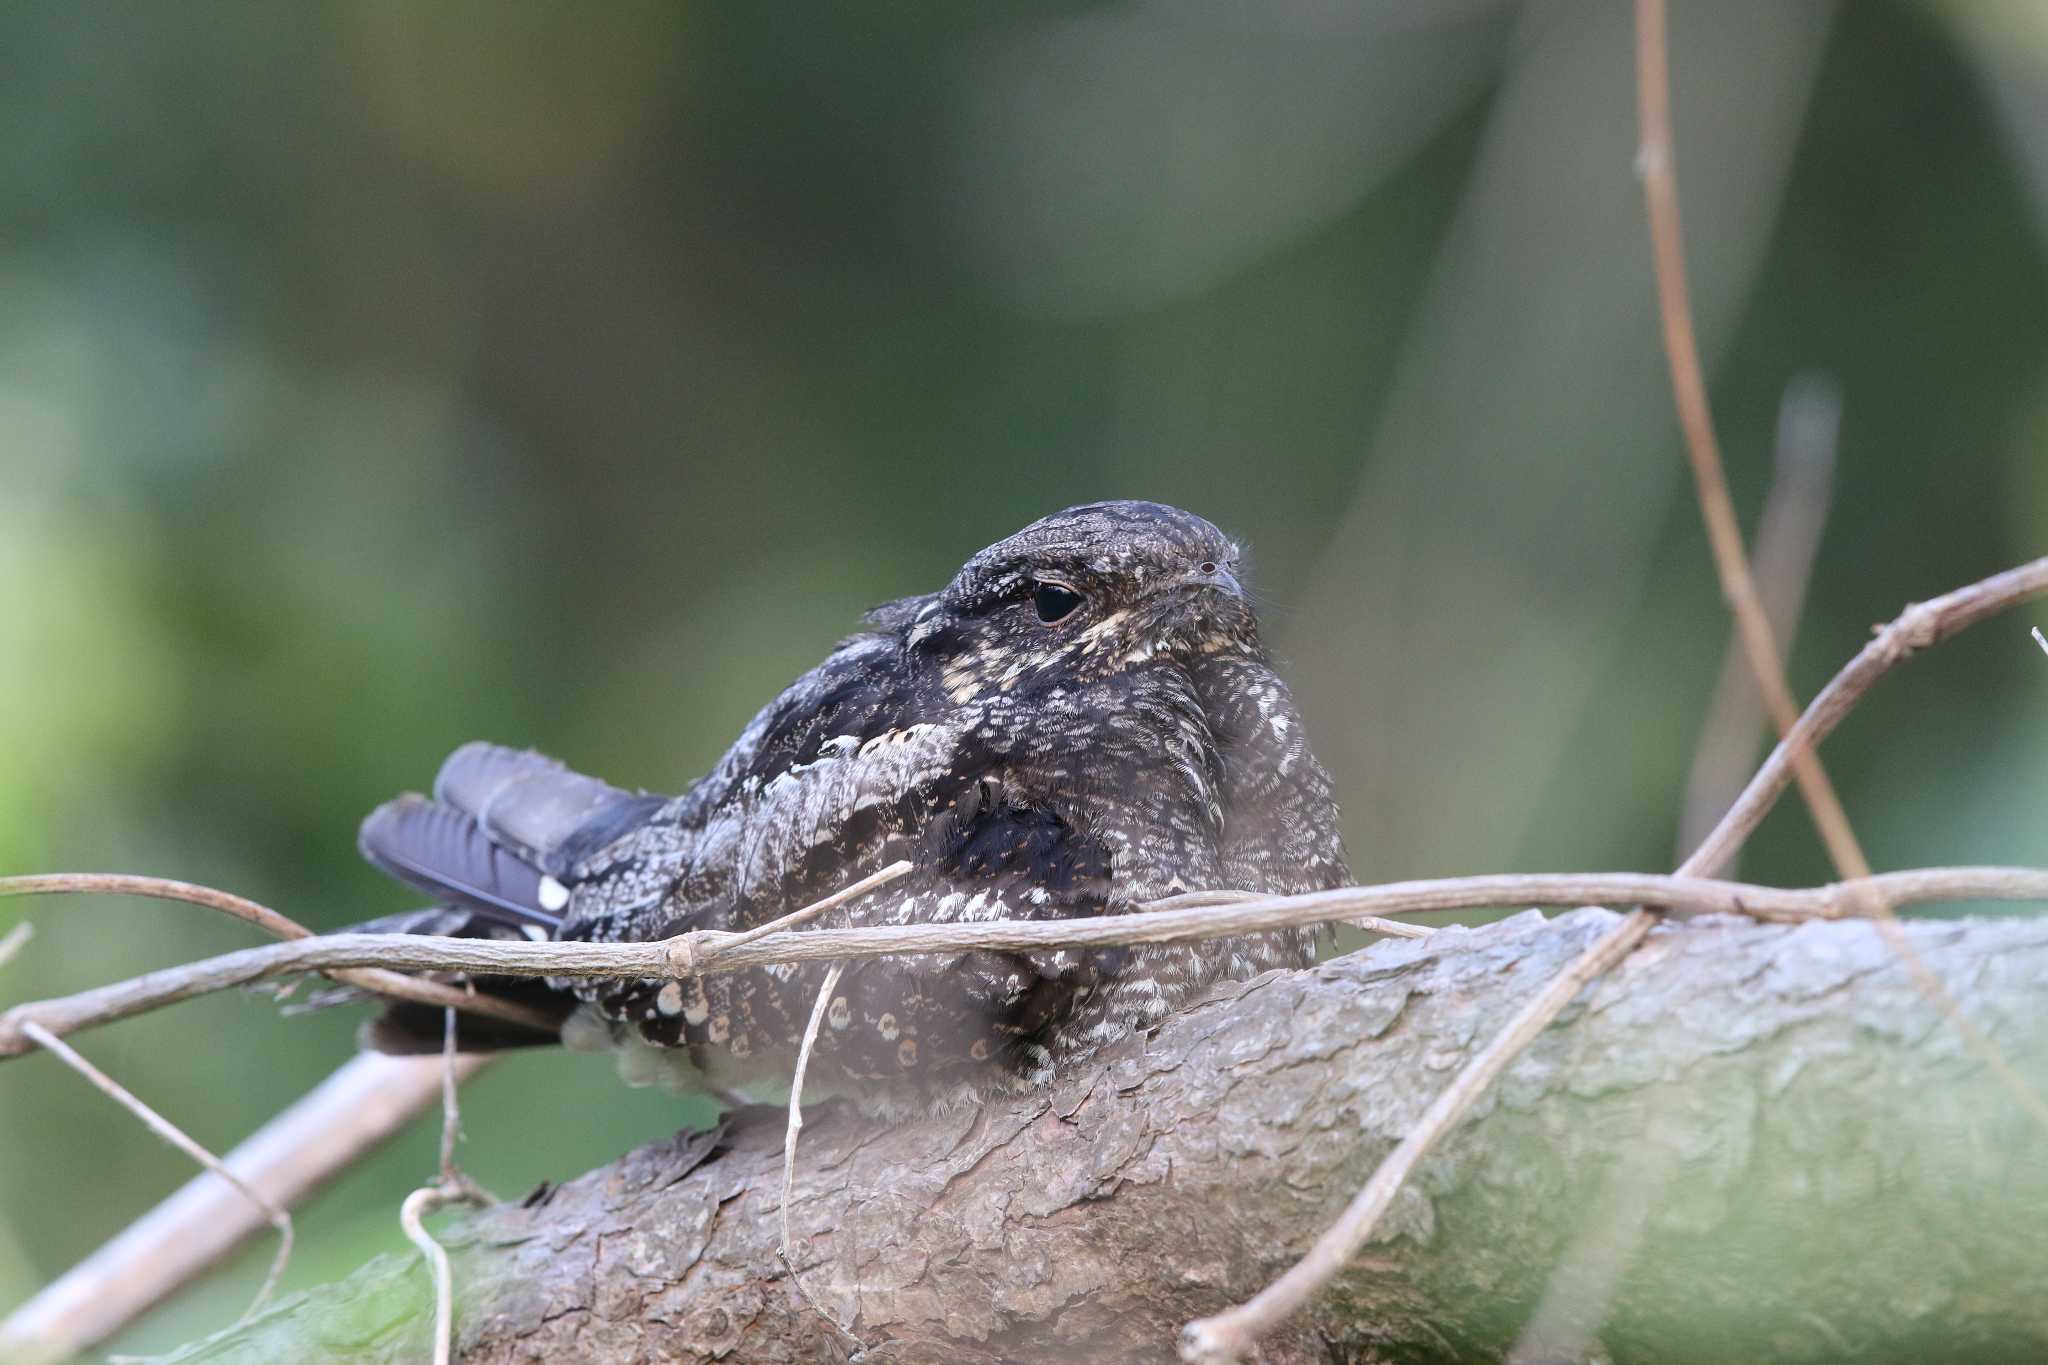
1082	721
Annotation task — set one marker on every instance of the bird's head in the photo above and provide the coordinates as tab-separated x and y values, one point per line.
1082	594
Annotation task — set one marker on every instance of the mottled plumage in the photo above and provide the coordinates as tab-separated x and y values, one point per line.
1083	720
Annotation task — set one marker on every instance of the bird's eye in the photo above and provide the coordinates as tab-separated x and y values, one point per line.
1053	602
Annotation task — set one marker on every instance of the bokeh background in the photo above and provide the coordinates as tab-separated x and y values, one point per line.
376	377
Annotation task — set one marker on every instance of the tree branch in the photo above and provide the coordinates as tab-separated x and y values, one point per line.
1825	1129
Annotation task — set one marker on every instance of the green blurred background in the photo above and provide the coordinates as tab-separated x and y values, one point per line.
376	377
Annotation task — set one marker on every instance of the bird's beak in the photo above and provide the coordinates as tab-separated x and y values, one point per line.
1219	579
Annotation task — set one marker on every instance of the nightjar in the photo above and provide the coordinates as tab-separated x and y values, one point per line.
1082	721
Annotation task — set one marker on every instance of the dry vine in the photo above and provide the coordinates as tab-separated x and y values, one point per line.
450	1186
796	1127
177	1137
709	951
277	926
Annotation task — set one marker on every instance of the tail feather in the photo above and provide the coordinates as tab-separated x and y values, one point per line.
495	847
531	804
445	853
502	831
404	1027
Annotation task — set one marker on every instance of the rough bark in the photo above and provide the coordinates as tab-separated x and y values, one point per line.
1749	1143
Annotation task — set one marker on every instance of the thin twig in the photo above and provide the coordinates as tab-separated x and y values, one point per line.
1920	626
451	1112
279	926
1565	1324
451	1186
1787	539
366	1101
1655	161
451	1115
417	1205
810	912
642	961
457	1186
796	1126
397	987
15	940
176	1137
694	952
2041	640
1229	1335
154	888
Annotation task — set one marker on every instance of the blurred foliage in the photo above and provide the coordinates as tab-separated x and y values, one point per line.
378	377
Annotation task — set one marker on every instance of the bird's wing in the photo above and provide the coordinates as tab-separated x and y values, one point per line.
988	853
723	856
844	774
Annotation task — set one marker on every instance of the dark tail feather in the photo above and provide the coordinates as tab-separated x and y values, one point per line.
445	853
536	807
403	1027
495	845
